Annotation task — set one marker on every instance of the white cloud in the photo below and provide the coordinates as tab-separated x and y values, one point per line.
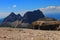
51	9
14	6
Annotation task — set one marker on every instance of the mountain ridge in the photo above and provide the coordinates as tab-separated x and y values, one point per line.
12	17
29	17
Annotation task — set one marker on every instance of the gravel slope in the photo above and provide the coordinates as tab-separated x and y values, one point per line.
28	34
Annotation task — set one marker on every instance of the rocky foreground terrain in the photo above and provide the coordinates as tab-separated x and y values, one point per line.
28	34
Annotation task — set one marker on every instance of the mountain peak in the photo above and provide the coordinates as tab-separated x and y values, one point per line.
37	10
31	16
12	17
18	15
12	13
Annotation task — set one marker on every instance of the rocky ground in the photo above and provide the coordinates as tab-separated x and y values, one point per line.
28	34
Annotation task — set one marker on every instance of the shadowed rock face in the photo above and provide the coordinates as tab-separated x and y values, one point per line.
31	16
19	17
12	17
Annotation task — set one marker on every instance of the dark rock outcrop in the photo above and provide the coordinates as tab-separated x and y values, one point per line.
19	17
31	16
47	19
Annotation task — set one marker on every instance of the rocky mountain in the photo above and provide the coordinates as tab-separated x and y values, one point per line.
12	17
19	17
31	16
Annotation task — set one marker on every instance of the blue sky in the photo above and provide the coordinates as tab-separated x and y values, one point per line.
21	6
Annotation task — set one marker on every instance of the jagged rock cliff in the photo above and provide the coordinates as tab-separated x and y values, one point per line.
12	17
31	16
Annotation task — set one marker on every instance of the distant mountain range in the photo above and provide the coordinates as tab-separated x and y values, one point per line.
53	15
1	20
12	17
29	16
